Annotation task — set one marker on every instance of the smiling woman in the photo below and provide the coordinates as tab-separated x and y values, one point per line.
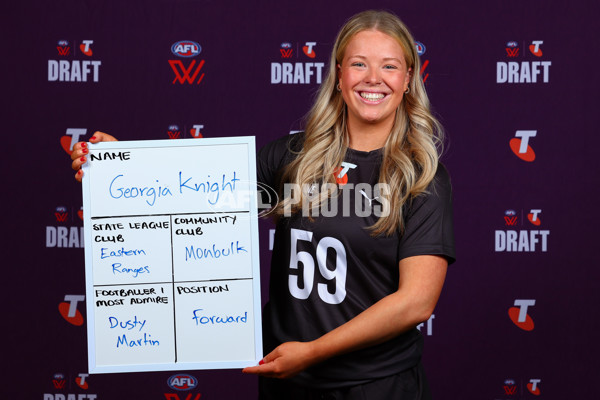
373	77
348	289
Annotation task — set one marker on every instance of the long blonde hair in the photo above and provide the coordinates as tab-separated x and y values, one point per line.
410	156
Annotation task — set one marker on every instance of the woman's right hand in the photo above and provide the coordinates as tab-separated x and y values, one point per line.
80	152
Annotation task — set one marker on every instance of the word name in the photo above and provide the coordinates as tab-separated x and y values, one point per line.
123	156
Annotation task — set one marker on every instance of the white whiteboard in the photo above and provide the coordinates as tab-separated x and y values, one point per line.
171	255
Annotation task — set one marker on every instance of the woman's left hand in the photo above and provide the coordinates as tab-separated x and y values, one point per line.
287	360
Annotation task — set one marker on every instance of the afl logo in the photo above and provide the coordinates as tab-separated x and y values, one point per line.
420	48
512	44
63	43
182	382
286	45
510	213
509	382
61	209
186	48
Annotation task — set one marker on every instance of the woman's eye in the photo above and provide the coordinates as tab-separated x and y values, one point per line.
358	64
390	67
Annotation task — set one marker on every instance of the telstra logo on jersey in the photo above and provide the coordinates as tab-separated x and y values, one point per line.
520	145
518	314
524	71
523	240
299	72
190	73
340	174
74	70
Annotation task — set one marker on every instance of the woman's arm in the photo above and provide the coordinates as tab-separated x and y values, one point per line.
421	281
80	151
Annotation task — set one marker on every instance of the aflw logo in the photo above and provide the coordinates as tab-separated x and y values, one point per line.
510	217
286	50
63	48
191	73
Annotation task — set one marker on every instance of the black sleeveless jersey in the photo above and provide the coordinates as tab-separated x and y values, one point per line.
328	270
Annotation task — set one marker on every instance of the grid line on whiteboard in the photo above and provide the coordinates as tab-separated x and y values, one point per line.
162	283
173	287
167	215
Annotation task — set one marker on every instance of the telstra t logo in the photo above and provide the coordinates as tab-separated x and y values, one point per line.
534	48
520	145
533	217
68	309
518	314
85	47
68	141
308	49
533	387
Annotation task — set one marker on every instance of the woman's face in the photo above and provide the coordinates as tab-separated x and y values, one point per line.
373	77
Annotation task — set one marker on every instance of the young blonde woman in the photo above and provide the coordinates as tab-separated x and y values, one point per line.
364	226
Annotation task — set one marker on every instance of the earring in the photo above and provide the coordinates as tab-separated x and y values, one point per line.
339	89
407	91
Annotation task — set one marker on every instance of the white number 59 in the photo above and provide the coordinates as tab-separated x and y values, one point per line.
308	270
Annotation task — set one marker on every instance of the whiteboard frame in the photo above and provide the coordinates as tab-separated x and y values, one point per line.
254	248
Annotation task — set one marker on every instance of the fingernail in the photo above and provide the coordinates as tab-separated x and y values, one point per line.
83	144
84	150
82	159
79	172
93	138
261	362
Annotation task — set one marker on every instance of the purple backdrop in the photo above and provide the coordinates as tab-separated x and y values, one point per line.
510	80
